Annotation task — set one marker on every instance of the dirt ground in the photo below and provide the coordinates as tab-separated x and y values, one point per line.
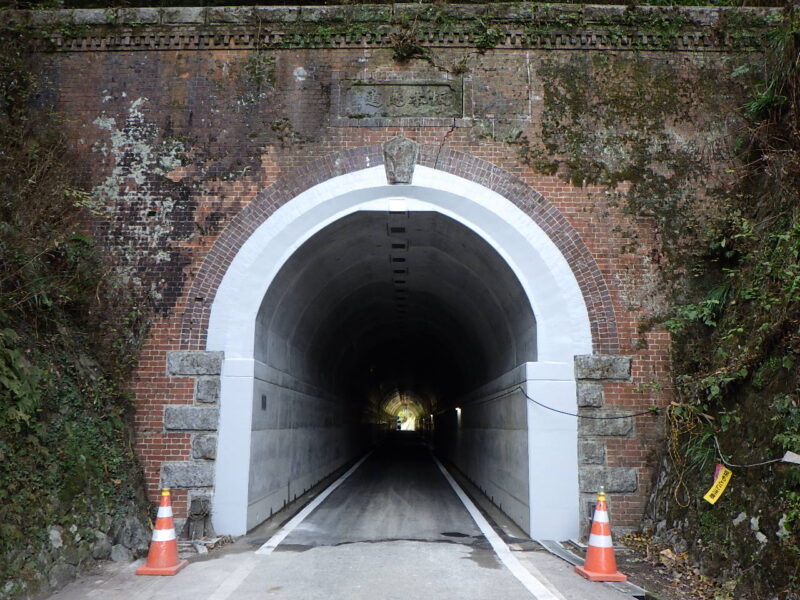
663	573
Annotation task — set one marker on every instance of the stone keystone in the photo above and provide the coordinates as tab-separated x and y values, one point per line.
399	158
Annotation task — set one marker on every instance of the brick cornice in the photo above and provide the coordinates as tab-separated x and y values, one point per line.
503	26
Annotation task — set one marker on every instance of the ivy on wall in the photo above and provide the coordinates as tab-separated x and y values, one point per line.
68	333
722	187
68	339
102	4
737	343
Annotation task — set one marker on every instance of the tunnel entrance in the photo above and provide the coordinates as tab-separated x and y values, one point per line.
355	310
377	319
400	312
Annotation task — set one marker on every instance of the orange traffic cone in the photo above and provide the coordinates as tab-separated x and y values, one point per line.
163	556
600	564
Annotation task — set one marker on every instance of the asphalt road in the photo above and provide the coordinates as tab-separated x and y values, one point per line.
397	494
394	530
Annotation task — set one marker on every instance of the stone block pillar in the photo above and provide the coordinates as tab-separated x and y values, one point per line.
200	420
599	424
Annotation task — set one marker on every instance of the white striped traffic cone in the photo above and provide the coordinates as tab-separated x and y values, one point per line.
163	556
600	564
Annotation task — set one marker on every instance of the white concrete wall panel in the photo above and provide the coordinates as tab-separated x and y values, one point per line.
489	443
297	439
553	447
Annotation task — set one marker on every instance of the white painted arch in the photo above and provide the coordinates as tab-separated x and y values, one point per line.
562	319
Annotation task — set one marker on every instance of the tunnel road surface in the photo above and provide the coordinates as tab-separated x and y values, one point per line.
397	494
397	519
393	530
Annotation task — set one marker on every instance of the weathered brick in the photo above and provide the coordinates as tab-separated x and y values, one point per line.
187	245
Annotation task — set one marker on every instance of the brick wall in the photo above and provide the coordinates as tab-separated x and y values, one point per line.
194	125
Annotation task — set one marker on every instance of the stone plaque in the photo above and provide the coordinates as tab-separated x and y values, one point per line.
393	100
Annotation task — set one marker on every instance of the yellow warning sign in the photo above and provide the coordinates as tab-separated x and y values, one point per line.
720	483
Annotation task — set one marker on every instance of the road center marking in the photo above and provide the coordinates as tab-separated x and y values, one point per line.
284	531
534	585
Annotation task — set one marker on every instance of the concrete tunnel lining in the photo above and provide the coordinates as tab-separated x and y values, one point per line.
339	290
281	262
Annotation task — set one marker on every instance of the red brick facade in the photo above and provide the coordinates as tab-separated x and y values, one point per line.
191	144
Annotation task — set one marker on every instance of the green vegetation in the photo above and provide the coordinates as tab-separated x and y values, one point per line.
104	4
68	338
406	43
731	241
737	345
69	334
486	36
260	69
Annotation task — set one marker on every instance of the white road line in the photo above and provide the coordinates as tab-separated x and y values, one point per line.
281	534
535	586
232	583
235	579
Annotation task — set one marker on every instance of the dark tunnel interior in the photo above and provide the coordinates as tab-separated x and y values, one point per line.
412	308
384	320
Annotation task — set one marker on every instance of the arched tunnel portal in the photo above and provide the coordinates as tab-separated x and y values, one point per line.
360	307
381	303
